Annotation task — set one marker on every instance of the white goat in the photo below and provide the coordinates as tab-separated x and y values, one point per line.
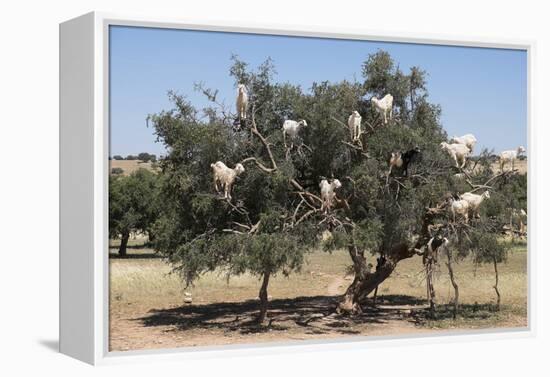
458	152
384	106
354	124
460	207
510	156
474	201
225	177
468	140
291	128
518	216
242	101
328	193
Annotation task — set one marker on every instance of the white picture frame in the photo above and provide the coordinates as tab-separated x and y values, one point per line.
84	170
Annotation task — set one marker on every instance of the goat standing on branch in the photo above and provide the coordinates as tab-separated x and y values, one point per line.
384	106
518	216
468	140
458	152
328	193
291	128
354	124
510	156
402	160
242	101
460	207
408	157
225	176
474	201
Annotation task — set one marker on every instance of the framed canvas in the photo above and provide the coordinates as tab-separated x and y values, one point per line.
245	189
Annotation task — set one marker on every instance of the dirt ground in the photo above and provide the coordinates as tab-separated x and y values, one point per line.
147	309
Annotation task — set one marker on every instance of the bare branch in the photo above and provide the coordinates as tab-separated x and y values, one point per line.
486	184
254	130
232	231
306	215
242	225
258	164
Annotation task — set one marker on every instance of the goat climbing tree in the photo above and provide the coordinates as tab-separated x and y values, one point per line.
275	216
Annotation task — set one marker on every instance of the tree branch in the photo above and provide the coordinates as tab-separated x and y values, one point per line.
254	130
258	164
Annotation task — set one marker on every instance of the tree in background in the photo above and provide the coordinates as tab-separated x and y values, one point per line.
146	157
132	205
118	157
276	214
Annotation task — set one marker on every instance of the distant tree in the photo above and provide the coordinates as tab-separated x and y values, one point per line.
116	171
490	250
146	157
131	205
118	157
131	157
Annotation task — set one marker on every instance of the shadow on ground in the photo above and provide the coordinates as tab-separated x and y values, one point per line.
316	314
113	254
468	312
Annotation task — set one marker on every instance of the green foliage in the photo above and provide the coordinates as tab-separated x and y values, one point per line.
118	157
132	202
259	231
117	171
487	248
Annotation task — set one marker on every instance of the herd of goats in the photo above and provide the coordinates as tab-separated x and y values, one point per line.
459	149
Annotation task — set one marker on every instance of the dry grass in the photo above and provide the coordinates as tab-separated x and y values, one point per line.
147	308
130	166
520	165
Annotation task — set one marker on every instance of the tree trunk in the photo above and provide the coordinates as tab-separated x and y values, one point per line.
379	261
430	286
123	245
496	282
263	298
365	281
453	282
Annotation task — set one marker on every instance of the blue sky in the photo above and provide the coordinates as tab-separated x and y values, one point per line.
481	91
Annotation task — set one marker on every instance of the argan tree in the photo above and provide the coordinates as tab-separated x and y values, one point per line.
276	214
